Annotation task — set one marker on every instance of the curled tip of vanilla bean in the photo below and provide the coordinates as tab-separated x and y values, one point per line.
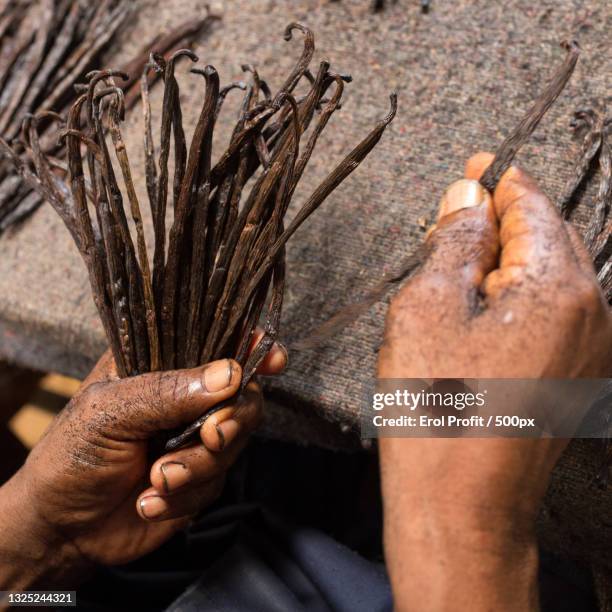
104	74
391	115
208	71
183	53
308	33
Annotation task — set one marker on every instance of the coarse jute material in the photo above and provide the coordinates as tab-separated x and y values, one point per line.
465	73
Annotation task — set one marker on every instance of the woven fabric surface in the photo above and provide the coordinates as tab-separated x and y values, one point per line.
465	72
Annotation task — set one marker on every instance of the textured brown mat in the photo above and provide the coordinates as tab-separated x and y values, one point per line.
465	72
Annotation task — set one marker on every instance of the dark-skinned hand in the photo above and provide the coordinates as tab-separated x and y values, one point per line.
88	494
508	292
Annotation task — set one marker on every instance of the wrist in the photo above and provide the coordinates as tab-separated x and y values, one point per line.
457	537
454	566
31	553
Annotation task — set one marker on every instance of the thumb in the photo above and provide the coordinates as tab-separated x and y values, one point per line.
140	406
464	242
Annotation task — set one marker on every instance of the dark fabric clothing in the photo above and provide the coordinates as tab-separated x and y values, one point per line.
273	567
249	560
297	529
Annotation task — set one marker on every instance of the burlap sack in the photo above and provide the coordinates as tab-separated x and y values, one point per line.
465	72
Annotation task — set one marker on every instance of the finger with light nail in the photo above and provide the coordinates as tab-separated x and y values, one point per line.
186	480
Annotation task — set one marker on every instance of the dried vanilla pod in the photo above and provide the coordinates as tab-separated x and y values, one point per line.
200	294
604	276
45	47
598	131
595	155
596	231
595	146
592	124
508	149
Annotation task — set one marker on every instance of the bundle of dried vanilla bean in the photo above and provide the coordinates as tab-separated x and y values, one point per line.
45	47
223	258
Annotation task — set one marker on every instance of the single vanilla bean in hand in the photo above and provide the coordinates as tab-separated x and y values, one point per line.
507	151
503	159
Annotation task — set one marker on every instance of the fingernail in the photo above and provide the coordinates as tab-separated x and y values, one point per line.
464	193
152	506
279	358
217	375
283	348
174	474
227	432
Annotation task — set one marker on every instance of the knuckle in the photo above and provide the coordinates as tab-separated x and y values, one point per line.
95	414
583	296
588	296
89	398
155	388
100	422
159	389
429	284
94	410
